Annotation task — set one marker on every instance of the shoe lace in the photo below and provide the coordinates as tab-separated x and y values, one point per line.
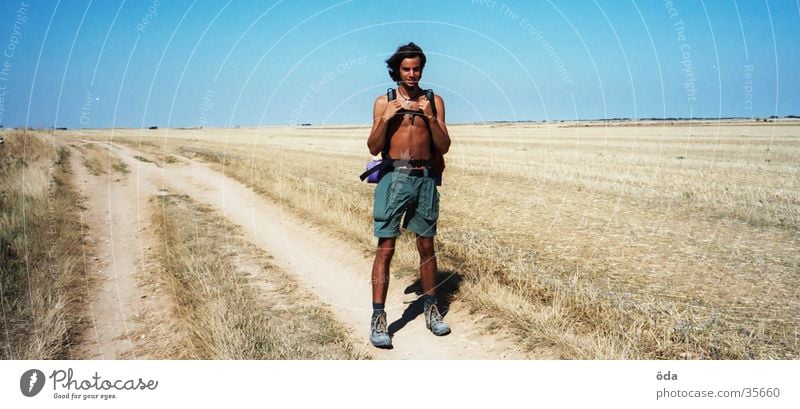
380	323
433	313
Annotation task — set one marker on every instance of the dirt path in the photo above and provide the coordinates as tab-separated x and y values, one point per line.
114	235
331	268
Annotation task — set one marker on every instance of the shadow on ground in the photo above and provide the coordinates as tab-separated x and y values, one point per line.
448	283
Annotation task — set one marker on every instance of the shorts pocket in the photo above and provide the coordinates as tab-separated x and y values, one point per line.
384	205
428	207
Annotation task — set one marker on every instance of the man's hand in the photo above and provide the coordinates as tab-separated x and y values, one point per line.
426	107
391	109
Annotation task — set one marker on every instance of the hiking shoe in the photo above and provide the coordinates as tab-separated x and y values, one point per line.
434	320
379	336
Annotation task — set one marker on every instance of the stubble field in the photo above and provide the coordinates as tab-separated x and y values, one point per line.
596	241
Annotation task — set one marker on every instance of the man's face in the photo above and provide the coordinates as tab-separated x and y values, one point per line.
410	71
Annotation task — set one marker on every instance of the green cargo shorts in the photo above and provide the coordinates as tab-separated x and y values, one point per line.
415	196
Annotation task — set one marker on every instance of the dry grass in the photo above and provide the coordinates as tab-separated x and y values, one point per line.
41	275
232	303
601	242
100	161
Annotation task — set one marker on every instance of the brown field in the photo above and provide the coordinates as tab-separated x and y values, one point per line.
598	241
43	275
584	240
223	315
75	288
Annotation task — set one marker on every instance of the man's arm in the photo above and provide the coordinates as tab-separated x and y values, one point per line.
382	112
441	138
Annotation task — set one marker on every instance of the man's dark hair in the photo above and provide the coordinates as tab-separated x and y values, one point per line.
409	50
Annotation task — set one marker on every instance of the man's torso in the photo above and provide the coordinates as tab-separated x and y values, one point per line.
410	136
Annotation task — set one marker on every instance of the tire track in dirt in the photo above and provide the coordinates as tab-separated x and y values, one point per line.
116	237
330	268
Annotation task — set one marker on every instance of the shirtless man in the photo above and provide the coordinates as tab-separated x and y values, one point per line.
414	135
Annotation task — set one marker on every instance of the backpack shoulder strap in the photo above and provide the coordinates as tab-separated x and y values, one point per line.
434	152
432	99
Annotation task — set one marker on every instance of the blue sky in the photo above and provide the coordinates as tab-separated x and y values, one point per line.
226	63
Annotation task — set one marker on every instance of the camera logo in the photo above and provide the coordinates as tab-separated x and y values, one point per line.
31	382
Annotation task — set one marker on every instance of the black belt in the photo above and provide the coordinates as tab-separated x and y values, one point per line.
413	163
396	164
413	172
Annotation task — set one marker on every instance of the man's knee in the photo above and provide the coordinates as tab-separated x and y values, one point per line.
385	249
425	247
385	253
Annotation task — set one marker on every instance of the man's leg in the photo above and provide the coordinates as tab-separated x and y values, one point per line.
380	269
379	329
427	272
427	264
